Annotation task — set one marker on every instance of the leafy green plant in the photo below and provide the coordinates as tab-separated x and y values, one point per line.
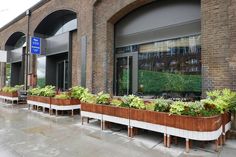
162	105
34	91
63	95
103	98
76	92
127	99
223	99
193	108
9	89
209	108
137	103
88	97
47	91
150	106
178	107
116	102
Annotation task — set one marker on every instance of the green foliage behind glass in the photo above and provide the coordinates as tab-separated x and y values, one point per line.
158	82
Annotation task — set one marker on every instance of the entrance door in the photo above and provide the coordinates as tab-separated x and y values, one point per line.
62	75
126	74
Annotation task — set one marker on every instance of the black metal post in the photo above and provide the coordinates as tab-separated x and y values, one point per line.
27	51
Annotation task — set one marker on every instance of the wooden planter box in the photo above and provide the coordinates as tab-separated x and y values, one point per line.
202	124
177	121
148	116
226	118
41	99
65	102
121	112
13	94
95	108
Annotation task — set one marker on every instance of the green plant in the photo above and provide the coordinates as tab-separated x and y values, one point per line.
116	102
150	106
88	97
137	103
103	98
193	108
76	92
127	99
162	105
224	100
47	91
209	108
178	107
63	95
34	91
8	89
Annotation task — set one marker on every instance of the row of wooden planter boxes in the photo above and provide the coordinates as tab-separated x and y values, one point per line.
190	123
47	100
7	94
50	100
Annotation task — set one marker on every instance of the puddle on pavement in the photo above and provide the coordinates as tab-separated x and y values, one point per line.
38	130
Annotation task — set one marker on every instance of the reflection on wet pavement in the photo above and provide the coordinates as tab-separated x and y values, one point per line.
26	133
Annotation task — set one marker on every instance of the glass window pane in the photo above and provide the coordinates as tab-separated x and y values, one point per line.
171	68
41	71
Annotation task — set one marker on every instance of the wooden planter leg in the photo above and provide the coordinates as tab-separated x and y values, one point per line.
72	113
221	140
168	141
187	145
224	137
37	108
56	113
82	120
216	145
88	120
176	140
165	140
43	109
129	131
102	124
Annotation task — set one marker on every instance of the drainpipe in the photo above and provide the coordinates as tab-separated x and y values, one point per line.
27	51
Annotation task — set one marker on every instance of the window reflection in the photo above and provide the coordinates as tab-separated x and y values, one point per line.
20	43
41	71
69	26
171	67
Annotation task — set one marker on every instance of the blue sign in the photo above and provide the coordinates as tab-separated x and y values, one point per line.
35	45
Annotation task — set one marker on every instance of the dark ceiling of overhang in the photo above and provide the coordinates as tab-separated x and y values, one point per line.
14	38
49	25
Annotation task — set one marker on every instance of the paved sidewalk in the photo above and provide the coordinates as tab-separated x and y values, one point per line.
26	133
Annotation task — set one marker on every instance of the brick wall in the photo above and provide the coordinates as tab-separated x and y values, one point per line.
96	19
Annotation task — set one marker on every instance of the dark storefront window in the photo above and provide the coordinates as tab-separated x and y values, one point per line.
170	68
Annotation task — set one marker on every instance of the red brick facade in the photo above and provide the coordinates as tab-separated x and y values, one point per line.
96	19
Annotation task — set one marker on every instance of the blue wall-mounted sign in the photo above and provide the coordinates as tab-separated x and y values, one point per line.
35	45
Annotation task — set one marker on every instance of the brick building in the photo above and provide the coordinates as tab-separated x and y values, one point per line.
126	46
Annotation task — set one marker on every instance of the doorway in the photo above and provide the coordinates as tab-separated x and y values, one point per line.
62	75
126	73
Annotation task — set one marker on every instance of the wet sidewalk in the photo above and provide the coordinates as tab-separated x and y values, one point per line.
26	133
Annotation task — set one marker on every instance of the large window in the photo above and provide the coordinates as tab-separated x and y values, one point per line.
41	71
170	68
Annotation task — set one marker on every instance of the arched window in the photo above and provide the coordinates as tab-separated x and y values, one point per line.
158	50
